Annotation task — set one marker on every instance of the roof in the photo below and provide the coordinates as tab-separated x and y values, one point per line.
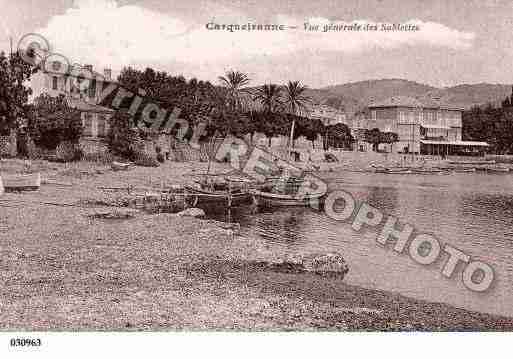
456	143
84	106
407	101
436	127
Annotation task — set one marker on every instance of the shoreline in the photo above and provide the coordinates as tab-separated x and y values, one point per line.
63	270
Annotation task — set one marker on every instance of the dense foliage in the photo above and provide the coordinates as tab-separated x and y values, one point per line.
52	121
225	108
491	124
375	137
14	74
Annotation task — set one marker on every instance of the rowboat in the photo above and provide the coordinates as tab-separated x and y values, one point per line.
464	170
268	199
473	162
119	166
497	169
198	197
426	170
29	182
394	170
277	192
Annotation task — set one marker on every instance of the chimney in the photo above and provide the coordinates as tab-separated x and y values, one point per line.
107	73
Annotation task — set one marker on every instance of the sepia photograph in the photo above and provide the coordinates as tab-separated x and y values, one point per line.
255	166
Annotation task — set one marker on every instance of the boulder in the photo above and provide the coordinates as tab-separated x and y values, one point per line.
192	212
329	264
116	213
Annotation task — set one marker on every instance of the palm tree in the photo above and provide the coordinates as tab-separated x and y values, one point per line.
270	96
234	81
295	102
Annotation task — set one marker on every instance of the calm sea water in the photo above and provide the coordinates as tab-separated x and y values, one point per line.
471	211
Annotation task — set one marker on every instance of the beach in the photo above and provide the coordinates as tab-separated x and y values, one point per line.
64	269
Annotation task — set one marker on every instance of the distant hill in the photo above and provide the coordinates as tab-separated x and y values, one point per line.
467	96
356	95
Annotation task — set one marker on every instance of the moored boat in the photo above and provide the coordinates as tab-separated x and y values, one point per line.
27	182
215	190
198	196
268	199
277	192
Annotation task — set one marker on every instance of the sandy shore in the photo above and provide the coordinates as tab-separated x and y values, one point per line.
62	270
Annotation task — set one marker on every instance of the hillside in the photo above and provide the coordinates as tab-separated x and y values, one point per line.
467	96
352	96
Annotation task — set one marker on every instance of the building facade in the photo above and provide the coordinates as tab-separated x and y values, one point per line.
95	118
327	114
426	127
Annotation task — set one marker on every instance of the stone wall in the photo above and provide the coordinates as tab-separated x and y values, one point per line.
8	145
93	146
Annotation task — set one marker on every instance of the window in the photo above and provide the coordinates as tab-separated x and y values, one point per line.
54	83
101	126
92	88
88	124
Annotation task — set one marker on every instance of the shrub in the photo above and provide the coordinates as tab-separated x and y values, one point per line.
145	160
98	157
123	139
53	121
67	151
160	157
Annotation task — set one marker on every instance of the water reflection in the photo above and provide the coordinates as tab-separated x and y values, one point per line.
473	212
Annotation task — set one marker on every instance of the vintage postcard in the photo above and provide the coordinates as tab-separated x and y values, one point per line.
269	166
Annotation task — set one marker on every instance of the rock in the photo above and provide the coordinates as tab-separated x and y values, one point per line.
192	212
329	264
116	213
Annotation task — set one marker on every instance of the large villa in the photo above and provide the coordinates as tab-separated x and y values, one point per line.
427	127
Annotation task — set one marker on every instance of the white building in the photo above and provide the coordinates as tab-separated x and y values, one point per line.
95	118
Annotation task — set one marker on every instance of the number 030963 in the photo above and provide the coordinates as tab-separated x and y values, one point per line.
25	342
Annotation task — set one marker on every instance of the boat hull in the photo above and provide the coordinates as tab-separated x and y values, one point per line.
30	182
197	197
266	199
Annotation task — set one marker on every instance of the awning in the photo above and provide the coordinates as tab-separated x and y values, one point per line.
455	143
436	127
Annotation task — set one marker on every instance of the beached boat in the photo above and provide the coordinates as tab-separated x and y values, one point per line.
464	170
472	162
497	169
422	170
393	170
28	182
119	166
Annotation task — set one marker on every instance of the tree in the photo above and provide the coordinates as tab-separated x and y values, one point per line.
270	96
52	121
338	135
234	81
122	138
14	74
294	102
389	138
374	137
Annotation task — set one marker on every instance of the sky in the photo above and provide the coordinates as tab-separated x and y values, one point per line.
458	41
